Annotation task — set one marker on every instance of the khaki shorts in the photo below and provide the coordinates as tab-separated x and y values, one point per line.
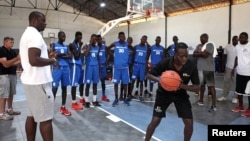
40	101
4	86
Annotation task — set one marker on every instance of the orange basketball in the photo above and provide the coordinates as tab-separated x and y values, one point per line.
170	80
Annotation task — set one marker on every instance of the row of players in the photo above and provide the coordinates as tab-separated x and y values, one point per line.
86	65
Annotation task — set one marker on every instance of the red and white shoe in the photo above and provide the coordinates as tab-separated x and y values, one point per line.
65	111
76	106
104	98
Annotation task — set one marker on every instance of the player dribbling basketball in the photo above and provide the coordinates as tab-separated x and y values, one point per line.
188	72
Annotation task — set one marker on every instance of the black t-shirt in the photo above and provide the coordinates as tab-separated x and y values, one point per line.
9	54
187	73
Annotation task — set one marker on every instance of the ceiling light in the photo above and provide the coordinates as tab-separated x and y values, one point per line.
102	4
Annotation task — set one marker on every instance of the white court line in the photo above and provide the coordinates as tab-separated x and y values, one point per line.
131	125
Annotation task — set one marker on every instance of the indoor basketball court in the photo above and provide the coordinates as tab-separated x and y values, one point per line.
187	19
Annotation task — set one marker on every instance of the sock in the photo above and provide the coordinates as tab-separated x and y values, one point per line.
73	101
81	97
86	98
94	98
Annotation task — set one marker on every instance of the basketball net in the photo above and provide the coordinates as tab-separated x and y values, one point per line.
155	13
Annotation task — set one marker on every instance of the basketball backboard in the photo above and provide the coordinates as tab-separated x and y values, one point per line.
154	7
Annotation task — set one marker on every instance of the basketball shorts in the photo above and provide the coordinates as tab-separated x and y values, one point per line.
4	86
206	77
40	101
181	102
241	83
91	74
121	75
76	74
103	71
60	74
139	71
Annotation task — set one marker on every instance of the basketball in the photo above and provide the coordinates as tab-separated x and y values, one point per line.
170	80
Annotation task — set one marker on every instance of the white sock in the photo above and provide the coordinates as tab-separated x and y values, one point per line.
94	98
73	101
86	98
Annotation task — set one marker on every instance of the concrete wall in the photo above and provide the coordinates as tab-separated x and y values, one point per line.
14	24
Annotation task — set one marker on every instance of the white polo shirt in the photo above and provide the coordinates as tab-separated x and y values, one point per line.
33	75
243	54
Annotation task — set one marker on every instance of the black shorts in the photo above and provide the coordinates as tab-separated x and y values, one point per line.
181	102
241	83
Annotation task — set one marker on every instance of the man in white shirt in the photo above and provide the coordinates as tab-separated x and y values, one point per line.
229	81
36	78
242	62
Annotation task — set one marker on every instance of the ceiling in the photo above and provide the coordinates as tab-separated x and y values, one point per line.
117	8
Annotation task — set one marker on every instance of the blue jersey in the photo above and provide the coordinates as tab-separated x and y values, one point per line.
92	58
61	49
130	58
156	54
171	50
121	55
102	54
140	54
74	60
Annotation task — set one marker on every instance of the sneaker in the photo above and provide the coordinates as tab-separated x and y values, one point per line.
146	92
76	106
82	101
246	113
141	98
234	100
12	112
222	98
196	94
87	104
136	93
115	102
200	103
150	94
212	109
6	117
238	109
65	111
104	98
96	103
126	101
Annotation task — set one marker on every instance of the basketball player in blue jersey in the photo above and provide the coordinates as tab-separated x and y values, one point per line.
157	54
131	52
103	65
121	71
92	70
75	65
140	64
60	71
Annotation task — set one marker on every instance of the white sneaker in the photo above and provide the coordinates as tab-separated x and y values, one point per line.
222	98
234	100
6	117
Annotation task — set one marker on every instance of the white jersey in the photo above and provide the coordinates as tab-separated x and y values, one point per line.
243	55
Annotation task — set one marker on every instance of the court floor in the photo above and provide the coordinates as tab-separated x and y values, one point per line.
123	123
